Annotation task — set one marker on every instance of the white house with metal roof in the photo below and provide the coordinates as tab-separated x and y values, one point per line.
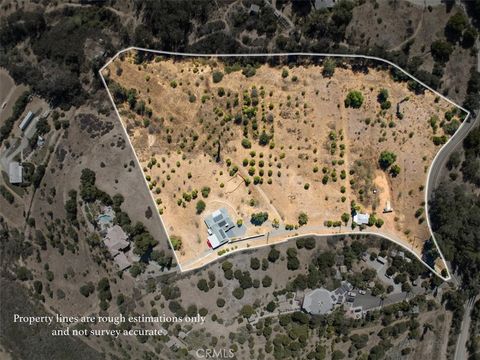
361	219
15	173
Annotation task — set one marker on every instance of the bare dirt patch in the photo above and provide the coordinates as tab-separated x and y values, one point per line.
280	141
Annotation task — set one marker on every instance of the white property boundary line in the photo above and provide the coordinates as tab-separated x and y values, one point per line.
446	278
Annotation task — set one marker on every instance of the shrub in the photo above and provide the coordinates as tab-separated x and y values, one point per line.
258	219
386	159
441	51
354	99
379	223
249	71
7	194
205	191
302	219
87	289
328	68
395	170
220	302
238	293
203	285
217	76
273	255
200	206
266	281
176	242
23	273
246	143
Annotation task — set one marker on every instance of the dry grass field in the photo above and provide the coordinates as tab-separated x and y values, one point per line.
279	140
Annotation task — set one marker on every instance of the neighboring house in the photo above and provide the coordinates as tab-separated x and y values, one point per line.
15	173
319	301
361	219
116	240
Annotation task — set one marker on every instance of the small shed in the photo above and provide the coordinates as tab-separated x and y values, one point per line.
254	9
324	4
26	121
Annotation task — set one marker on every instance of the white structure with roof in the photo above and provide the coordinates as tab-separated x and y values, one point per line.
26	121
15	173
388	208
324	4
361	219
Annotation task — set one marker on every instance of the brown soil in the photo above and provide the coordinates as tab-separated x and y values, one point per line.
313	133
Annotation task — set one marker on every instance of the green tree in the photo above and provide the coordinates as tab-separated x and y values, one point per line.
203	285
328	68
273	255
395	170
302	219
345	218
266	281
200	206
217	76
441	51
246	143
455	27
176	242
205	191
254	263
386	159
238	293
258	219
247	311
354	99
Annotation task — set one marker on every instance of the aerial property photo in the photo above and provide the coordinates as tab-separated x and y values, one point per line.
240	179
240	156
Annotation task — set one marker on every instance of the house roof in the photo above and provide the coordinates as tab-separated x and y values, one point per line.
116	239
220	223
254	8
15	172
122	261
319	301
323	4
26	120
361	219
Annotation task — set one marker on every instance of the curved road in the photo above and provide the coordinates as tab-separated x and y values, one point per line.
444	154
